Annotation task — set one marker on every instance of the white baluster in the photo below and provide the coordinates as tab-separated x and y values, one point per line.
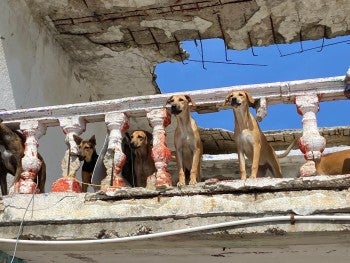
161	154
114	160
70	163
311	143
31	164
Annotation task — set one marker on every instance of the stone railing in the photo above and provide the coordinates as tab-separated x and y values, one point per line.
72	118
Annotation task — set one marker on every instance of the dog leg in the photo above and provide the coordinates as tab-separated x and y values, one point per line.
275	167
3	182
180	167
256	159
86	177
241	162
195	170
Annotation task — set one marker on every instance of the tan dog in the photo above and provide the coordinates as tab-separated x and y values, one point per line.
187	140
89	155
11	153
251	142
141	143
334	163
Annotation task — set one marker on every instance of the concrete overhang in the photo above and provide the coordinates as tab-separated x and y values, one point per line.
119	43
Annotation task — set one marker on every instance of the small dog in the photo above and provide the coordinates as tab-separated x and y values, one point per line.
12	151
141	143
251	142
188	144
334	163
89	155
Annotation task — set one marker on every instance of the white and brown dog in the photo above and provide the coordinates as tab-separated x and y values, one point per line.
141	143
187	140
251	142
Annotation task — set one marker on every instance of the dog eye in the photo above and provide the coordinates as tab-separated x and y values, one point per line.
140	137
87	147
240	94
181	99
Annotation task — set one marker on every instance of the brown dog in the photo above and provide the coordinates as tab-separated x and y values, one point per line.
251	142
187	140
12	151
334	163
89	155
141	143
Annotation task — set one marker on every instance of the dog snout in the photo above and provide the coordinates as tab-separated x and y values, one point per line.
175	109
234	101
133	145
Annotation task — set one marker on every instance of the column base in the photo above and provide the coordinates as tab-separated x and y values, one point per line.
118	183
24	187
66	184
308	169
162	180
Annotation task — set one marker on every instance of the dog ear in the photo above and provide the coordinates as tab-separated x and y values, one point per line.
251	101
77	139
149	137
168	100
93	140
191	102
227	99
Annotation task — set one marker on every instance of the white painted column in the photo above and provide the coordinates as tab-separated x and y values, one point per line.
31	164
161	154
311	143
114	160
70	164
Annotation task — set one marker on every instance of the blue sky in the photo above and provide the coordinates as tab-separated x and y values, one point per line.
332	60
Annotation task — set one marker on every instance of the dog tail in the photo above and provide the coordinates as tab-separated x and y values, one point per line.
286	152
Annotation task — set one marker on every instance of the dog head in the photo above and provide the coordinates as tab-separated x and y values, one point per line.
140	139
86	147
239	98
180	103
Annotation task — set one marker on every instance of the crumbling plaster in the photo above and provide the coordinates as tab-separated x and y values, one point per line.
119	43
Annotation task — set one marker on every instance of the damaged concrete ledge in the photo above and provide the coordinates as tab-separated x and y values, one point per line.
130	212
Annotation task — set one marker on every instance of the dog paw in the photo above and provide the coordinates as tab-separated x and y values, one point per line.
180	184
192	182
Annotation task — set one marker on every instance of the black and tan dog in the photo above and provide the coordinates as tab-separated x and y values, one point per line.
89	155
12	151
187	140
141	143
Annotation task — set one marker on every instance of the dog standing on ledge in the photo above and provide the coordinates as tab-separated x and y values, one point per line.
188	144
143	164
251	142
11	152
89	155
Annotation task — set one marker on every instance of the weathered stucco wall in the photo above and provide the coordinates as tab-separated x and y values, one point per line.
36	71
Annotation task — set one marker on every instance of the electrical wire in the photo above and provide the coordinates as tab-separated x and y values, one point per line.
291	218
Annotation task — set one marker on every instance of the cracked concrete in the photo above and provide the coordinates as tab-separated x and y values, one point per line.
114	41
